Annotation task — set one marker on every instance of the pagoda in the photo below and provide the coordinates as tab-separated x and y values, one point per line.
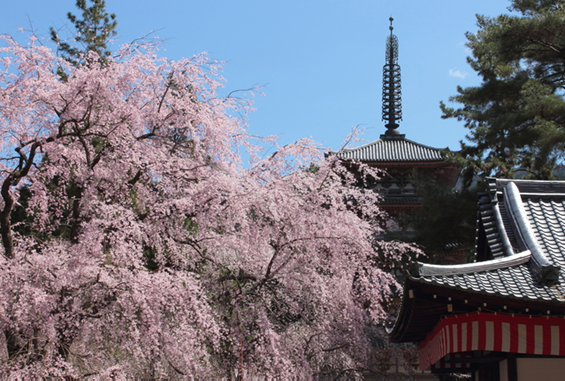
398	157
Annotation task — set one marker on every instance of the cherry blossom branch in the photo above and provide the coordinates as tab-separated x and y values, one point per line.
269	273
11	180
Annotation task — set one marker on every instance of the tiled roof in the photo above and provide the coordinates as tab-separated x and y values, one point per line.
544	213
392	150
511	282
522	227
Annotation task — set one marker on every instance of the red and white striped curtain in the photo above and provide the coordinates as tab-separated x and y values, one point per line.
493	332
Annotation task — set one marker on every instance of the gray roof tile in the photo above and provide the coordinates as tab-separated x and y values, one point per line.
392	150
545	213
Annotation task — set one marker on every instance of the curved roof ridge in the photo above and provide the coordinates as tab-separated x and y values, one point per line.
544	271
359	147
418	269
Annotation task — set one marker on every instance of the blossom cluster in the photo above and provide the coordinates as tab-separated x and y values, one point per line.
136	243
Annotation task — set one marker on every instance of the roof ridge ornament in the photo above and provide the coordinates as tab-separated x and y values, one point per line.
392	107
418	269
543	270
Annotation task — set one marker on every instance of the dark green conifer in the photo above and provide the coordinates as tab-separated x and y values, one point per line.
93	33
516	116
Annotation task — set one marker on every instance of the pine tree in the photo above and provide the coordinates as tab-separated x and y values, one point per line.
444	225
516	116
93	33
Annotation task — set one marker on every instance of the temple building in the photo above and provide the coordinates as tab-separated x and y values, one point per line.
399	157
502	317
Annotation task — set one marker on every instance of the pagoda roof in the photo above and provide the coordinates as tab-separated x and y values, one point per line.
522	230
392	149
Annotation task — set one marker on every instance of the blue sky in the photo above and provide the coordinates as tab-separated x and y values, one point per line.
319	61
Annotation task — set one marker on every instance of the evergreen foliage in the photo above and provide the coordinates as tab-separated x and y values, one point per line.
516	117
446	222
93	33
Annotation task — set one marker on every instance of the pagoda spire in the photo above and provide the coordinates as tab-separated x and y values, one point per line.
392	108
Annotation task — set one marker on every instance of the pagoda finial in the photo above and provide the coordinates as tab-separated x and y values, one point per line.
392	108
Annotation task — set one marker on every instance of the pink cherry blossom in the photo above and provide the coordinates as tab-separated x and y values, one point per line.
137	244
